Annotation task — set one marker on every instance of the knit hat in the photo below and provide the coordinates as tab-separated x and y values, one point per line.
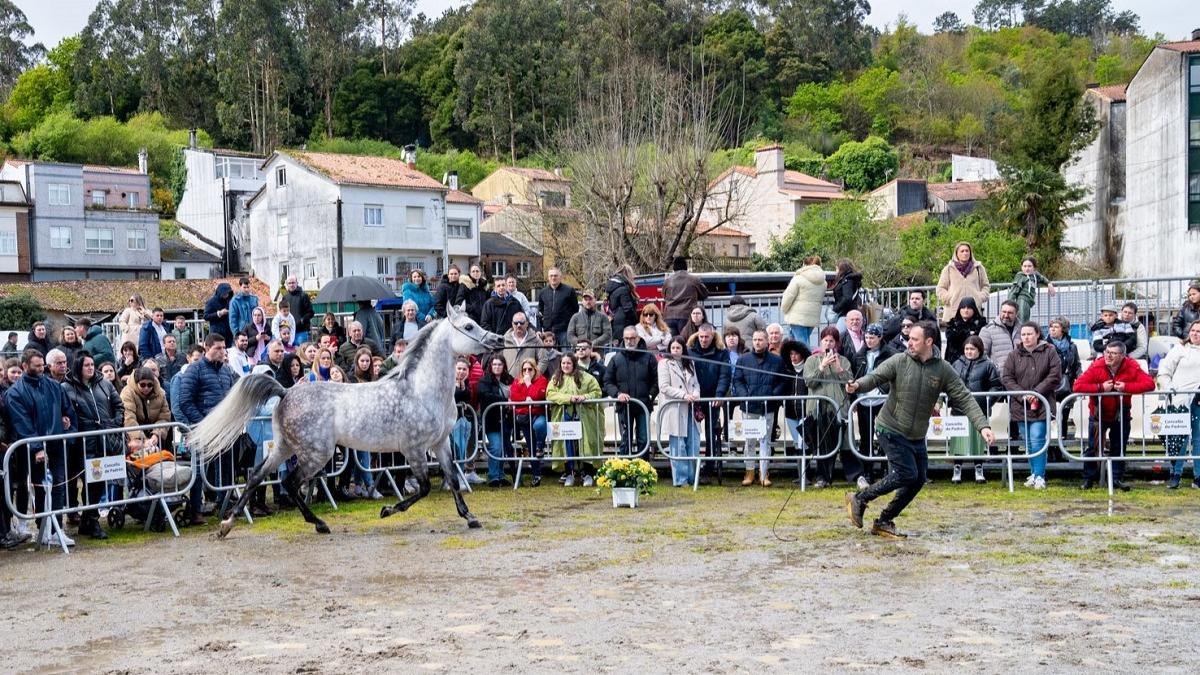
875	329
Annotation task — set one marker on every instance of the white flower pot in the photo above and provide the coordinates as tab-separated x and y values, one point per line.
623	496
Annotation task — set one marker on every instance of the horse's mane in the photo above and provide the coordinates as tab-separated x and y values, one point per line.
414	353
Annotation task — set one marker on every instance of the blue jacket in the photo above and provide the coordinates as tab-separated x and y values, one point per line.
756	382
712	370
201	387
36	406
98	346
218	302
421	296
241	308
149	345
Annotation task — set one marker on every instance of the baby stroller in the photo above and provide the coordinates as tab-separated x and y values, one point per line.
151	474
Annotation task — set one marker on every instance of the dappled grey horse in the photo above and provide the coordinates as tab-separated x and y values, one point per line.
411	410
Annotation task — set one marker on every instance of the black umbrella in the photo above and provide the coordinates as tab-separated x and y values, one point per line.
353	289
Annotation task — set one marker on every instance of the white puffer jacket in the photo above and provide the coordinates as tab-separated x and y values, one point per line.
1180	368
801	304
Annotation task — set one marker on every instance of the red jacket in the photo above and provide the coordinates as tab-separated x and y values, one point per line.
1137	381
535	391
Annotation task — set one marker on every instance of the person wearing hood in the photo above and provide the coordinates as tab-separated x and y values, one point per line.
216	312
967	321
415	289
681	291
97	406
846	286
742	318
962	277
95	343
622	301
450	291
802	299
372	322
632	373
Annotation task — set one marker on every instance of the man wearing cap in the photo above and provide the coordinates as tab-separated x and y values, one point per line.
1110	327
589	323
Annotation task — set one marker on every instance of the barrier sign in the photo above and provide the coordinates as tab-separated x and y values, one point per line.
565	431
105	468
1168	424
947	427
753	429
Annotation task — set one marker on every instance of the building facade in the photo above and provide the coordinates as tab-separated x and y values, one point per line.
14	232
220	184
88	222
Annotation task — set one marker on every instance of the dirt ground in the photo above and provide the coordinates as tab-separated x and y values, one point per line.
558	581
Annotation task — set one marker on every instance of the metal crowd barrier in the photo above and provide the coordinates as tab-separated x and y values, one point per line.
64	462
1155	428
470	455
939	432
509	440
730	405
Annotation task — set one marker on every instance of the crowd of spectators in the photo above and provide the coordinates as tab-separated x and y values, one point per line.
574	346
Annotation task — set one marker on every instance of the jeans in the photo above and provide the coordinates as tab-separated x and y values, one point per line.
1034	434
800	333
1118	435
683	471
460	438
1177	465
631	415
499	445
533	430
362	462
908	462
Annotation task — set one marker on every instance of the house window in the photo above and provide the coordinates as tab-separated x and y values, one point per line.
381	265
136	240
458	229
133	200
373	215
280	176
553	199
285	270
8	243
97	240
310	268
60	194
281	222
99	197
524	269
60	237
499	268
414	216
180	272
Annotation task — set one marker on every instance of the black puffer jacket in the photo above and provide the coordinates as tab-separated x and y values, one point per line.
633	373
622	304
451	294
476	294
957	331
845	293
1183	320
979	375
793	379
97	406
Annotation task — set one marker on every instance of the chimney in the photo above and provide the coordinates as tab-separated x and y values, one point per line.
558	171
143	161
452	180
192	142
769	160
410	155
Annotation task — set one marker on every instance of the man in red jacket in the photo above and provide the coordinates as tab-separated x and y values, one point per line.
1110	414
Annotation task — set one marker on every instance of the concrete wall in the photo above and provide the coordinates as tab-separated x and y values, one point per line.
201	207
192	270
508	187
473	213
1089	230
117	187
1155	237
754	206
15	219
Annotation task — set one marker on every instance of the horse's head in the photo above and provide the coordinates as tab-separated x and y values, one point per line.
469	337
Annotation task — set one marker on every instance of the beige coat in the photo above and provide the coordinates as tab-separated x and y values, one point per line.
801	304
130	322
952	287
675	382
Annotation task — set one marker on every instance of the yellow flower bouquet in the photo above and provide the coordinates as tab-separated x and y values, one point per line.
627	473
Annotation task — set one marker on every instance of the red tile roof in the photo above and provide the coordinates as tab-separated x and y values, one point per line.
1112	92
795	184
112	169
460	197
773	146
1185	47
365	170
961	191
111	295
722	231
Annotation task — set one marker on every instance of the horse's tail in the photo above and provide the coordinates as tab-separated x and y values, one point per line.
219	430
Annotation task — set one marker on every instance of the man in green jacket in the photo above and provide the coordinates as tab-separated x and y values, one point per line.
917	379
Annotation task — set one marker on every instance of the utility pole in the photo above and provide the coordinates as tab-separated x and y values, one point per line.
340	265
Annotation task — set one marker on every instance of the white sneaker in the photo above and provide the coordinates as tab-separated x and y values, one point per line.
570	480
475	479
1031	481
957	477
588	482
411	485
979	478
21	527
53	538
1039	483
375	494
863	483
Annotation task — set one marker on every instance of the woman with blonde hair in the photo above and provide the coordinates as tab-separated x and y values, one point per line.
131	318
653	330
322	366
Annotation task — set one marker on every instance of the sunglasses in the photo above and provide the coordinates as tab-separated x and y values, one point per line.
580	349
526	368
145	385
647	313
518	323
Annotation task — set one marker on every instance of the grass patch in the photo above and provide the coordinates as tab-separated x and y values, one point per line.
1176	539
462	543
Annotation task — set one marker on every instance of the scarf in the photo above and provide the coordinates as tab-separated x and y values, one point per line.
964	268
324	372
1063	344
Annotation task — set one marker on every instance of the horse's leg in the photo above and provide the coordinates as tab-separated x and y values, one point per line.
445	457
416	461
293	483
268	466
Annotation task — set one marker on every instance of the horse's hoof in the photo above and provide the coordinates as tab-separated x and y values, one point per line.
226	526
473	524
385	512
322	528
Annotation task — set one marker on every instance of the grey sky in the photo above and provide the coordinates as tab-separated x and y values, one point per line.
55	20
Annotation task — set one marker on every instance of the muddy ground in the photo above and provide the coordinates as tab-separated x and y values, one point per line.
557	581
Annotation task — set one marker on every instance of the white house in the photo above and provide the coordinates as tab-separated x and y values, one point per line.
219	185
766	199
392	219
